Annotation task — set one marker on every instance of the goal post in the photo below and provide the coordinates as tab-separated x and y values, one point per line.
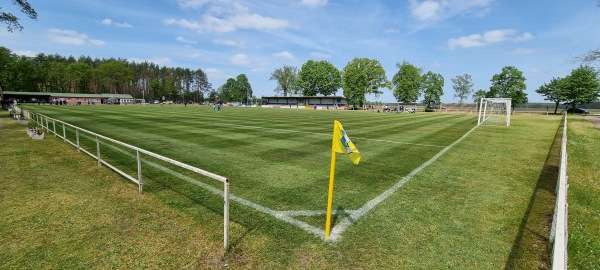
494	111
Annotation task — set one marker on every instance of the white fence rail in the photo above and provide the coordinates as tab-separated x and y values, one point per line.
559	231
50	124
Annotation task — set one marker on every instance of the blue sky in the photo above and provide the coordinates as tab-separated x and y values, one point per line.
227	38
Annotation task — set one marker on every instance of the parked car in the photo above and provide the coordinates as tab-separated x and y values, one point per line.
578	110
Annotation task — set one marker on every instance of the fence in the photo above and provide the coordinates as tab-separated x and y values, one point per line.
50	124
559	231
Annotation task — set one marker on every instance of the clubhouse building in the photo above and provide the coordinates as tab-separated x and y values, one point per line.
315	102
67	98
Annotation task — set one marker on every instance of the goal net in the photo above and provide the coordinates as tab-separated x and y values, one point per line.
494	111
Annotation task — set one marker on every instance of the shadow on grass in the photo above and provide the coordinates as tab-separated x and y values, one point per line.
531	247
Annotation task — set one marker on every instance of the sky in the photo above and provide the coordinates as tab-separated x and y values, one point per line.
226	38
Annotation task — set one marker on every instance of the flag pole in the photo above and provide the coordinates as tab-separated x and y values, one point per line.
330	193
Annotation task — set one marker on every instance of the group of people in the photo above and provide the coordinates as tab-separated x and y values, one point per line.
217	106
399	109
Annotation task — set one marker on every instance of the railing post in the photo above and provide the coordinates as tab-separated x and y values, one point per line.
64	132
77	135
98	151
226	214
139	165
54	127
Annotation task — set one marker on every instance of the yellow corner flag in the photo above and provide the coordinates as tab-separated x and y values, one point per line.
340	144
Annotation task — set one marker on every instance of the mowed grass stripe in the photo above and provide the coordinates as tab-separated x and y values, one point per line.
276	164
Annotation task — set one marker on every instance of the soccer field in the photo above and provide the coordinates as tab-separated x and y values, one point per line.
426	180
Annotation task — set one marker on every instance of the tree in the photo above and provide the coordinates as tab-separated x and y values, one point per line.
478	95
200	84
362	76
319	77
115	75
432	85
582	86
287	80
407	82
463	87
553	91
242	88
78	75
510	83
12	21
225	91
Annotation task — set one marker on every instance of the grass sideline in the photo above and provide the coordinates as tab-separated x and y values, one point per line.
584	194
449	216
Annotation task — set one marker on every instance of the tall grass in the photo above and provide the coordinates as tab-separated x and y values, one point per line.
483	205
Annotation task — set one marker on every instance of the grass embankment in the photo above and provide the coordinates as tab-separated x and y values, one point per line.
483	205
584	194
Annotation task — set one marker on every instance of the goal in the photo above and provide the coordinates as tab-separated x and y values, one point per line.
494	111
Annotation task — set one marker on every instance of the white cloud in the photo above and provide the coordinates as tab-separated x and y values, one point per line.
313	3
97	42
225	17
521	51
195	4
391	31
124	25
230	43
239	59
284	54
26	53
71	37
526	36
426	10
217	74
436	10
184	40
320	55
489	37
108	21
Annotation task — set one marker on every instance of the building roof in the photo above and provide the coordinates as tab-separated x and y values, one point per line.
67	95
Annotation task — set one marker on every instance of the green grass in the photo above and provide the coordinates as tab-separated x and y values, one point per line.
483	205
584	194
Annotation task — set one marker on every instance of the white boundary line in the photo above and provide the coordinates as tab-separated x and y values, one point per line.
287	216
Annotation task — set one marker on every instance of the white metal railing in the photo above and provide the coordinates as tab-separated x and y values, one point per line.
50	124
559	231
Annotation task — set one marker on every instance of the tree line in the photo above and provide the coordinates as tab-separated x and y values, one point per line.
55	73
363	76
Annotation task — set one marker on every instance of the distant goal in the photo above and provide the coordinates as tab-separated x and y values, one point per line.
494	111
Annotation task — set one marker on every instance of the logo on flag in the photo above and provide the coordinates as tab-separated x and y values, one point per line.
343	144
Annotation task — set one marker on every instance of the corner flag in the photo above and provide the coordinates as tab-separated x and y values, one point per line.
340	144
